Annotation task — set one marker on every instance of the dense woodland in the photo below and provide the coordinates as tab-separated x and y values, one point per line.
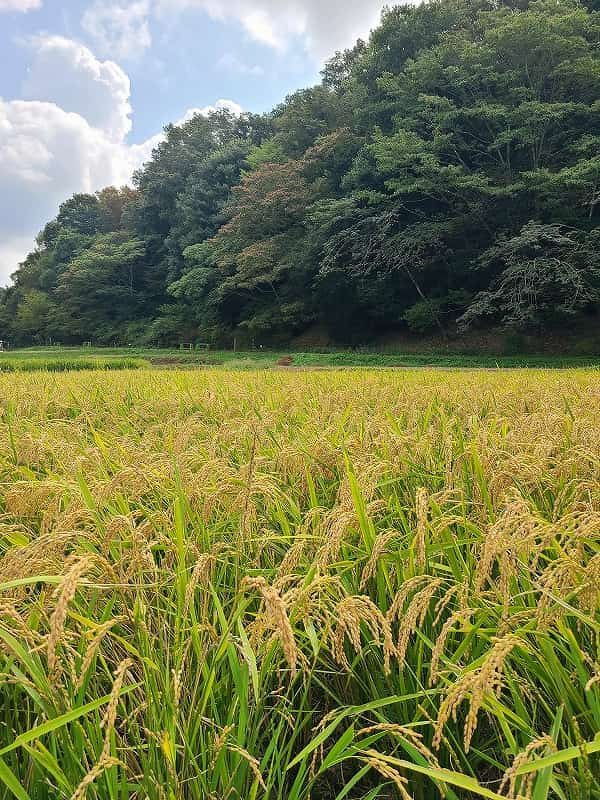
443	176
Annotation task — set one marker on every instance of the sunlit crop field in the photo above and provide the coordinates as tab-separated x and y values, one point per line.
295	585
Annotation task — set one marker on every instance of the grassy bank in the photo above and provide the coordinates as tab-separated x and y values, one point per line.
123	358
290	585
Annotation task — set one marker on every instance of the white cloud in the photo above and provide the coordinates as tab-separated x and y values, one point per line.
19	5
324	25
220	105
68	74
120	29
69	137
47	154
13	250
232	63
138	154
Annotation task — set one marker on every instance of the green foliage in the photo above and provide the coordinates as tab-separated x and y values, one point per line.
401	191
269	152
545	272
35	313
423	316
427	315
509	355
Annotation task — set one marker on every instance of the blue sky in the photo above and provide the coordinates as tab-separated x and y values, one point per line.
86	86
189	63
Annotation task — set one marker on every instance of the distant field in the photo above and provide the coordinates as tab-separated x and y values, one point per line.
60	359
18	363
329	585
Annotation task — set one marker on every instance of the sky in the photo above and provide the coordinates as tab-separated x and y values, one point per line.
86	86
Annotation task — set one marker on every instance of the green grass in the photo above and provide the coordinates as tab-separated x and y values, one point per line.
123	358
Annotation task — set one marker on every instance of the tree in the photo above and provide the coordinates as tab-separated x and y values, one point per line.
256	273
307	115
35	317
103	288
407	190
82	213
495	123
544	273
199	208
113	206
245	268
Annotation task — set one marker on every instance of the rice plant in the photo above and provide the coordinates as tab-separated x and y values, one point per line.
293	585
11	363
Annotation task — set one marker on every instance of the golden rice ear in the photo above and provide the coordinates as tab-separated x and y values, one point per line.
93	647
106	761
276	612
377	553
414	616
110	715
522	787
200	575
64	594
422	510
472	556
348	618
387	771
96	771
475	686
461	615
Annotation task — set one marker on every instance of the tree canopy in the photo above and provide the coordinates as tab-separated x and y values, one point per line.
445	174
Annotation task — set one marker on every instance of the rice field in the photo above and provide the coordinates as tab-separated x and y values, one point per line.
294	585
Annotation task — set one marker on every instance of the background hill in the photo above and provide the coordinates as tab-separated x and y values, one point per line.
443	179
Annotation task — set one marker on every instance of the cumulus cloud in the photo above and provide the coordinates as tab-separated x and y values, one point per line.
67	136
220	105
19	5
68	74
120	29
47	154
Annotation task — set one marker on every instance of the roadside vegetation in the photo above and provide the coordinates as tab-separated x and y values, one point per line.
65	359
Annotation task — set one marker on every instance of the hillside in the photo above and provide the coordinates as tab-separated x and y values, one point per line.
443	177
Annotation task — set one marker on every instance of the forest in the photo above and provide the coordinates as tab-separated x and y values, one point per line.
443	177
